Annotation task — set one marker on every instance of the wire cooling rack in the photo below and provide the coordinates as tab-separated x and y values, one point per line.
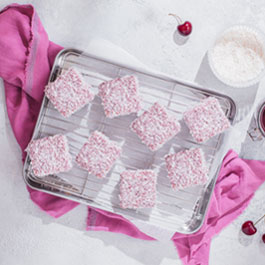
181	210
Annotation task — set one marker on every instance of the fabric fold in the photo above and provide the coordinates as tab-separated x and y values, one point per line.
26	56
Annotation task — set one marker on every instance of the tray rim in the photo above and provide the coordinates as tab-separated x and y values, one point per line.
147	71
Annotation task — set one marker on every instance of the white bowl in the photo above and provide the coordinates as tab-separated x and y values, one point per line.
260	38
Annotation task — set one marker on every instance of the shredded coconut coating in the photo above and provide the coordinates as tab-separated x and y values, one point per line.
155	127
69	92
98	154
206	120
50	155
186	168
138	189
120	96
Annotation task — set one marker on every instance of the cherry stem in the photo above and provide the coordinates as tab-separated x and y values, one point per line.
176	17
260	219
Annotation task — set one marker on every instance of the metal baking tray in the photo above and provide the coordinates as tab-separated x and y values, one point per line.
176	210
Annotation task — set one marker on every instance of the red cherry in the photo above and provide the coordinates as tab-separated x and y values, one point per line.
263	238
185	28
248	228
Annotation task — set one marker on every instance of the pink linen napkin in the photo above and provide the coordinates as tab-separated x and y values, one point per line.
26	59
237	182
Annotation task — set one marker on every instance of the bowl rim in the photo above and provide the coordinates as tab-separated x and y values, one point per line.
251	82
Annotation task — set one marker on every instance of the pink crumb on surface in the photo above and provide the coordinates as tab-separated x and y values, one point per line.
155	127
138	189
206	120
69	92
187	168
120	96
50	155
98	154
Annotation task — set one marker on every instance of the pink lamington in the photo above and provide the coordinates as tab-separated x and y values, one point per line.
69	92
155	127
50	155
120	96
206	120
98	154
186	168
138	189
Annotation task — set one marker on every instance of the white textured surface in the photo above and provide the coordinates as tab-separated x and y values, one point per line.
29	236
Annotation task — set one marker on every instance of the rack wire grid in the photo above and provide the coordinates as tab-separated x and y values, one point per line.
175	210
